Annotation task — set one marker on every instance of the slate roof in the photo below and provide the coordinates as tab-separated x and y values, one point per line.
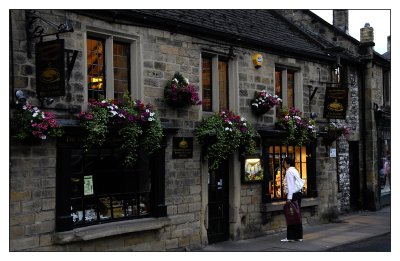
264	29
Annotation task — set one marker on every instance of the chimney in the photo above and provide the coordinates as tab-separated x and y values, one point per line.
341	20
388	43
367	34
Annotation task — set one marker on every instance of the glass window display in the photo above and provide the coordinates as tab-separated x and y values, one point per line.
103	190
276	155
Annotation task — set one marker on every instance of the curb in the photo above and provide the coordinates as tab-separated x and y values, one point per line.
357	241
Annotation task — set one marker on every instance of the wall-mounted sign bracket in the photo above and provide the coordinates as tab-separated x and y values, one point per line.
70	61
34	31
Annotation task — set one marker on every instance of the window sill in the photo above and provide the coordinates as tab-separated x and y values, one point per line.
109	229
278	206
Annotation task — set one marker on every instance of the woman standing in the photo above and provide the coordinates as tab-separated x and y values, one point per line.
294	232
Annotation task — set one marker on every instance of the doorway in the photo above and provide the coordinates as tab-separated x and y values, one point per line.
354	168
218	204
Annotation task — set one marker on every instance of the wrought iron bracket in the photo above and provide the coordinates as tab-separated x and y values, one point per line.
34	30
70	61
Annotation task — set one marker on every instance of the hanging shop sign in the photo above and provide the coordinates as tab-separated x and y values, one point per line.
50	80
182	147
335	105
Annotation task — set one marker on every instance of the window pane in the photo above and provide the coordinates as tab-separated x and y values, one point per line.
121	69
277	172
278	83
290	89
223	85
206	84
95	65
104	190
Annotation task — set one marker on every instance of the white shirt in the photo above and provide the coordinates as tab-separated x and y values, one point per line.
289	181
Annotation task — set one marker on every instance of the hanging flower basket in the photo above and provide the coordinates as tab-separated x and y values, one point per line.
301	130
263	102
136	124
31	125
222	134
333	132
179	93
330	136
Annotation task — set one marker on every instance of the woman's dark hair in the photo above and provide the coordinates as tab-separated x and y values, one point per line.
289	161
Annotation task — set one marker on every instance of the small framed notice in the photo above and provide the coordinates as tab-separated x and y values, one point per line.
88	185
332	153
182	147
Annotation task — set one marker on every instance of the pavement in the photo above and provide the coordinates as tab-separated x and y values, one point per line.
350	228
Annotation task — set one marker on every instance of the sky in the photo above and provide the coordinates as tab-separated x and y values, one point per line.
378	19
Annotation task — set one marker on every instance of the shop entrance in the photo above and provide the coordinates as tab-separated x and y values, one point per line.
354	169
218	204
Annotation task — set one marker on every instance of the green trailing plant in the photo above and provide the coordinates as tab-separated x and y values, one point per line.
222	134
301	130
138	125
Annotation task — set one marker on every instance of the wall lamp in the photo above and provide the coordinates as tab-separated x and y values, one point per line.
21	99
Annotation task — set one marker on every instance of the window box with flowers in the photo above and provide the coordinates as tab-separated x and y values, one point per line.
179	93
222	134
31	125
263	102
333	131
301	130
137	126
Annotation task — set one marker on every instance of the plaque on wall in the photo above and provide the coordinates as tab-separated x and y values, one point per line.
335	105
50	68
182	147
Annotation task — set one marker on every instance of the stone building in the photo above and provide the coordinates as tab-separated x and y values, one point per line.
62	199
368	72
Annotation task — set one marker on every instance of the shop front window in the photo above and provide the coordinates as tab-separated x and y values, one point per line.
102	189
385	160
274	180
94	187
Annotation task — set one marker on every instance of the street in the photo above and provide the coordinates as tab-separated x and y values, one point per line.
376	244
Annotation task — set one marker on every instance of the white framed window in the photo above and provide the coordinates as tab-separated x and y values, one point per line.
112	64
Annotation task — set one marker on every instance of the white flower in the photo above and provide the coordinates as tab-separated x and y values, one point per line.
243	119
150	119
227	129
244	124
34	114
35	109
24	107
147	110
186	80
113	113
175	80
103	101
152	114
43	137
230	123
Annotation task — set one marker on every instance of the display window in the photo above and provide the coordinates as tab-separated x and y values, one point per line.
274	187
95	187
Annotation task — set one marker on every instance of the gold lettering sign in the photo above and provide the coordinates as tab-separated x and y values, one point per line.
182	148
50	68
335	106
